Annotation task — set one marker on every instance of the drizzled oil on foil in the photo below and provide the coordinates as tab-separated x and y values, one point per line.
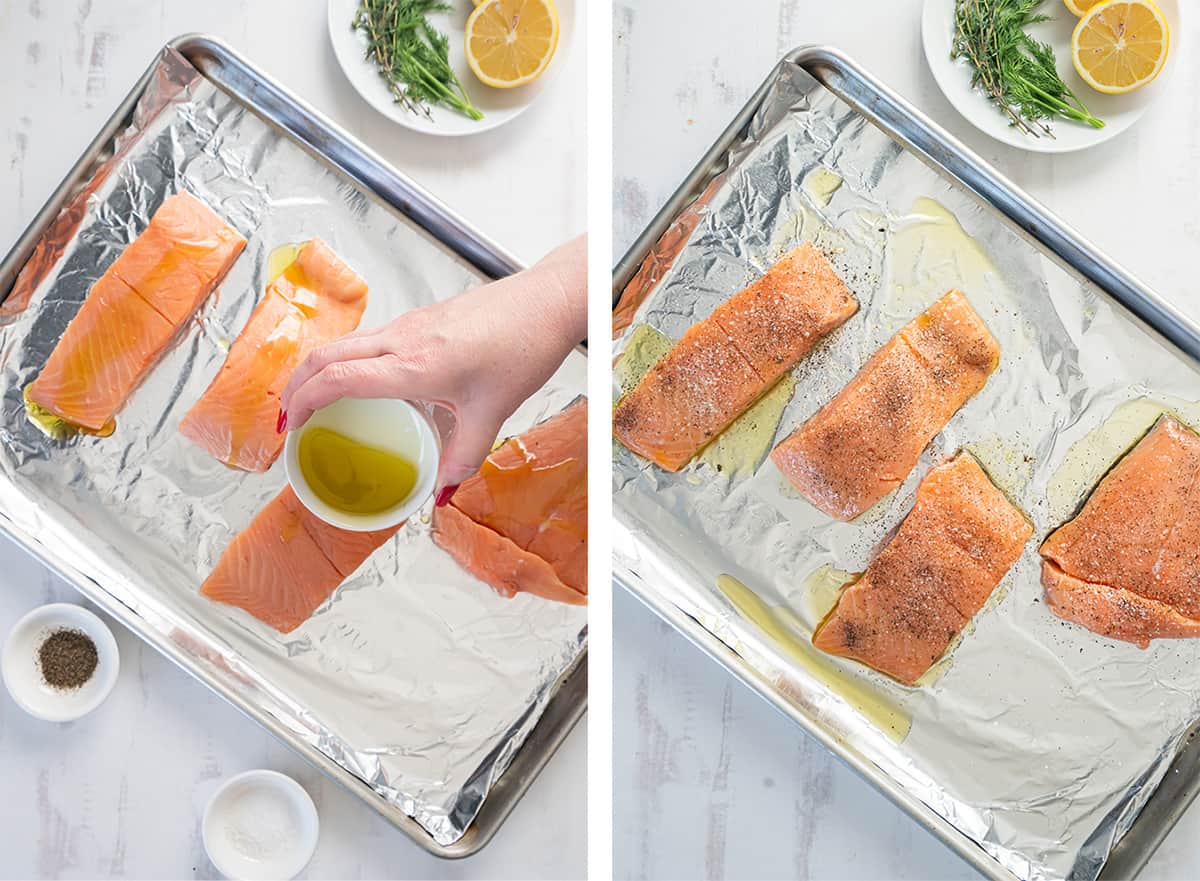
415	677
1035	738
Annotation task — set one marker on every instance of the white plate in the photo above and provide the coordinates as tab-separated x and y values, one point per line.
23	678
1119	112
497	105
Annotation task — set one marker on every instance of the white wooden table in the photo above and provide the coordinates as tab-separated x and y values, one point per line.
708	780
119	793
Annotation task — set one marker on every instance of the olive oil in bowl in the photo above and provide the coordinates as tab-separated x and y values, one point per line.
363	464
354	477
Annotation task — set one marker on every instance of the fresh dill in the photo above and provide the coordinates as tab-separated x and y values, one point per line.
1013	69
413	57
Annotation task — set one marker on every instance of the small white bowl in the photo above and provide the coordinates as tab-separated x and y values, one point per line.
23	676
383	423
260	825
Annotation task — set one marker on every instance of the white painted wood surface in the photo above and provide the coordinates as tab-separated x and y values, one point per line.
119	793
708	780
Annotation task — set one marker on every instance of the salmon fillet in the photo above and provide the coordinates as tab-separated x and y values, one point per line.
316	299
287	562
178	260
863	443
134	310
498	561
956	544
724	363
520	523
1113	612
1128	565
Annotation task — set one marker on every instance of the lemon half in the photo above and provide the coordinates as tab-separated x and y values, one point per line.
1121	45
510	42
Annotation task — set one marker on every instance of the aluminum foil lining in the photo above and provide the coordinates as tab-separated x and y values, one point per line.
1037	739
416	677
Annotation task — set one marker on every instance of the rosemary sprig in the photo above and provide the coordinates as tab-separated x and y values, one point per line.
413	57
1013	69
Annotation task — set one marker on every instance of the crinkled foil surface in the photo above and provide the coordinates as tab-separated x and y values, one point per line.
415	677
1039	740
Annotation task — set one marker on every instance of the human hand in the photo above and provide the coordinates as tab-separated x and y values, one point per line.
479	355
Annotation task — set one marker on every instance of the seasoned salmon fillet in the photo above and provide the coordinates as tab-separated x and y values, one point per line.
1113	612
777	320
690	396
1128	565
134	310
863	443
316	299
956	544
520	523
724	363
287	562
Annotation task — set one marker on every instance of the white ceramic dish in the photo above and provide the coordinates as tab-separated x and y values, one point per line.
383	423
260	825
497	105
23	676
1119	112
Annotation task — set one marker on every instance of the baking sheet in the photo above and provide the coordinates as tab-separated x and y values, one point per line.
1038	740
416	678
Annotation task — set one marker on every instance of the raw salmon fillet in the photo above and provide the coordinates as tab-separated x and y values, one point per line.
316	299
1128	565
133	311
497	560
520	523
287	562
723	364
956	544
863	443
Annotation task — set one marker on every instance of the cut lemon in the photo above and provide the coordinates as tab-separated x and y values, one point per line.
510	42
1080	7
1120	45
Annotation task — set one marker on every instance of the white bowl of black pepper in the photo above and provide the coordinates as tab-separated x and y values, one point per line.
60	662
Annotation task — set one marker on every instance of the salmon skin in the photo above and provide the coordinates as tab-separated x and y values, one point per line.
726	362
520	523
134	310
1128	565
287	562
956	544
863	443
316	299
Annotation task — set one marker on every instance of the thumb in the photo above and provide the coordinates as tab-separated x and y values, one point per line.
469	445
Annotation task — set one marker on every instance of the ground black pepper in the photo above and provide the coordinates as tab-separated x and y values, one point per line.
67	658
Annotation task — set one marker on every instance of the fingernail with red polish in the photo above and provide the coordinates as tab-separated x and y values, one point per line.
281	422
444	496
